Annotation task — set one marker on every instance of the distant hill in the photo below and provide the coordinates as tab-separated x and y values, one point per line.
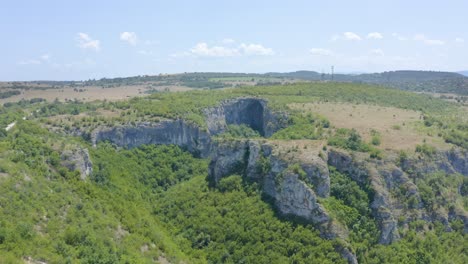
422	81
463	73
418	81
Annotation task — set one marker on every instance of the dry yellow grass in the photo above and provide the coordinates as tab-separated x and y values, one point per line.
89	93
303	149
396	126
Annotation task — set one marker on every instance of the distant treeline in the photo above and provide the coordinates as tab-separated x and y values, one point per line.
7	94
419	81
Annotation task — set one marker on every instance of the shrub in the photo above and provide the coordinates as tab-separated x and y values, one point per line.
231	183
376	154
426	149
376	138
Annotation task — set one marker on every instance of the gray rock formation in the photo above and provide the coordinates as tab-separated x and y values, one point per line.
364	174
291	193
385	178
177	132
296	183
252	112
452	161
78	159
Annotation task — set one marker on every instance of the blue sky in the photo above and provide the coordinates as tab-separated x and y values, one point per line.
75	40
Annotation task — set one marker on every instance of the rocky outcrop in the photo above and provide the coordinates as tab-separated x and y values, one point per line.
249	111
288	182
296	183
366	175
176	132
385	180
252	112
290	191
451	161
78	159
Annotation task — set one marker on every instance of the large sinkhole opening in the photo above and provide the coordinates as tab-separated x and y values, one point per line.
249	112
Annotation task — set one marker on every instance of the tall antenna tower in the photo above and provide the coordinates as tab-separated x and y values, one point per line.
332	73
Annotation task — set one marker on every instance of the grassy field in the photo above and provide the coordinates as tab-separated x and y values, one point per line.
90	93
402	119
395	125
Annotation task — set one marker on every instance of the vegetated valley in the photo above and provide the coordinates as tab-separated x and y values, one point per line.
277	171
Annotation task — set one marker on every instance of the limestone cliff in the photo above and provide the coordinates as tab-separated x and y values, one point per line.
78	159
387	180
176	132
291	192
294	184
253	112
451	161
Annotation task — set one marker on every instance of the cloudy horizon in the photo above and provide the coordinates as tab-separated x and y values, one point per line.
51	40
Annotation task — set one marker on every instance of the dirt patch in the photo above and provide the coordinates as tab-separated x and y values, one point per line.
29	260
163	260
4	175
396	126
120	232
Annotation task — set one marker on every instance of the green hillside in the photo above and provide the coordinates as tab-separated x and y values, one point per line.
155	204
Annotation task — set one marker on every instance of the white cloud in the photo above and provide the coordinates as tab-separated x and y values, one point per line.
129	37
228	41
202	49
255	49
146	52
377	52
427	41
459	40
181	54
335	37
29	62
399	37
374	35
45	57
86	42
351	36
151	42
321	52
346	36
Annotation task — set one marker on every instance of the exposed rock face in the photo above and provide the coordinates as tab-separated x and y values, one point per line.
292	191
177	132
292	195
385	178
363	174
452	161
252	112
78	159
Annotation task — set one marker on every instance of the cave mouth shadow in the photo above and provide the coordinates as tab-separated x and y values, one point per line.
250	113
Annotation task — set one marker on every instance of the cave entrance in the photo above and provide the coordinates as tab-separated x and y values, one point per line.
249	112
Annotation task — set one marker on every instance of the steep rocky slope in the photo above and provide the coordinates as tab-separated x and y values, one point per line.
252	112
297	183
